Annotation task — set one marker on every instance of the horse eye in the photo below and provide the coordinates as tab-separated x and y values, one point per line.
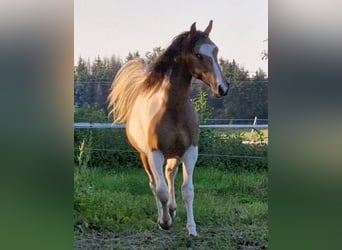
199	56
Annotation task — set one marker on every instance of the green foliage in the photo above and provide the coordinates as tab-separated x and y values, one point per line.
132	55
107	200
88	113
202	107
230	210
151	57
259	75
109	148
225	150
247	96
82	70
92	81
220	149
84	154
98	70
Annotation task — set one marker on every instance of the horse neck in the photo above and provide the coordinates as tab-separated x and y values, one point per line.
179	88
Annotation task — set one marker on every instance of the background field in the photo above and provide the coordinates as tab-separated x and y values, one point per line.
115	209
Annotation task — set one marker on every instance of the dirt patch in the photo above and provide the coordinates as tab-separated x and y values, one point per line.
156	239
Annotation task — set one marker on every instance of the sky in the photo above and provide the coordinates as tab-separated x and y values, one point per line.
116	27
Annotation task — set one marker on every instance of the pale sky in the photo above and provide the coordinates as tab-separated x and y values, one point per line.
107	27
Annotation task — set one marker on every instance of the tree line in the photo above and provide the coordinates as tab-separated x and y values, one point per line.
246	99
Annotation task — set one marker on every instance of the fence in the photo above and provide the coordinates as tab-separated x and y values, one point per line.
218	148
95	125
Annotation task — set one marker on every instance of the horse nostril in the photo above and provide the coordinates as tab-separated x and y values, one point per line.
222	91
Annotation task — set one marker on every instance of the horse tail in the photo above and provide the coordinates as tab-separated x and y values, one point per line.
125	89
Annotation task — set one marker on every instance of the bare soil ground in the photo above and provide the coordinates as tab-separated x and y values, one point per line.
157	239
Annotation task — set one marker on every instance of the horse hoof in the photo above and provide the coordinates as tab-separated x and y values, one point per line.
165	225
192	231
194	234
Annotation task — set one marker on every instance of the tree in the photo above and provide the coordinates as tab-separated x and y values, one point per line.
247	96
81	72
132	55
113	65
98	70
260	75
81	77
152	56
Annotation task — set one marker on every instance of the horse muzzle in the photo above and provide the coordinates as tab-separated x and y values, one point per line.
223	91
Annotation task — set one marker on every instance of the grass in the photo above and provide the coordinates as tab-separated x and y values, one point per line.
116	210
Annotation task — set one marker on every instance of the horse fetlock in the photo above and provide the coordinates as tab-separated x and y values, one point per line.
172	212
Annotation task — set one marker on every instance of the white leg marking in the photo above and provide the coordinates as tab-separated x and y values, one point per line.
208	49
189	160
156	161
171	170
158	203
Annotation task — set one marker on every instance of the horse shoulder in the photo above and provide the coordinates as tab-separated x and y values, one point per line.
144	109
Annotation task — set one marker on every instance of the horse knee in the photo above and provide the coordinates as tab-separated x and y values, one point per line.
162	194
187	192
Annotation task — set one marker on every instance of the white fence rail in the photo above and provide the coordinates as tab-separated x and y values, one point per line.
96	125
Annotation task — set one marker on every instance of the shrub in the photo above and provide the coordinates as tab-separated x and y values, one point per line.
109	148
219	149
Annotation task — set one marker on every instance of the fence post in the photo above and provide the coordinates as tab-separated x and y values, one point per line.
252	130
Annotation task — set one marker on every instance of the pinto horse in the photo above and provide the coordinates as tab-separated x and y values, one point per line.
161	122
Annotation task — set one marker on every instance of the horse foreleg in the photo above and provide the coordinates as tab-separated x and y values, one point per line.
152	183
171	170
156	162
189	160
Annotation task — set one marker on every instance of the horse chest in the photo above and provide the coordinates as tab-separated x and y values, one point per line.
174	132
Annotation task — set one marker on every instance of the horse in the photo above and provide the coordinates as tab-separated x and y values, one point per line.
161	121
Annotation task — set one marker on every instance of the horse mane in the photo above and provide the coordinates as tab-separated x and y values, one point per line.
135	78
167	60
125	89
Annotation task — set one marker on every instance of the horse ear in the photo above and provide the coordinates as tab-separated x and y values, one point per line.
208	29
192	29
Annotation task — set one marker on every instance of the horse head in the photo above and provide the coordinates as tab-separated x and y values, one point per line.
201	58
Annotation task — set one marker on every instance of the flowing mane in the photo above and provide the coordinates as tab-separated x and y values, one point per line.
146	79
166	60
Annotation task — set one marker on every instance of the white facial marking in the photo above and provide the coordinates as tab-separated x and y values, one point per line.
208	50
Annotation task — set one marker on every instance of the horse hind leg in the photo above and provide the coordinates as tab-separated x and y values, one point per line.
171	170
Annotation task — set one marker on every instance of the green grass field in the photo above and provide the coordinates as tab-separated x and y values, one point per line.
116	210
